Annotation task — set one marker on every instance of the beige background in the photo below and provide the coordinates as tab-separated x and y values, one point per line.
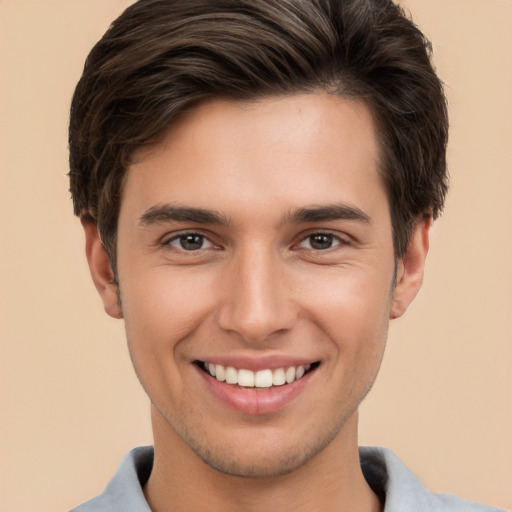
70	404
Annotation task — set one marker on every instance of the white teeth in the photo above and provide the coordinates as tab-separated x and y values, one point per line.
278	377
246	378
220	374
263	379
290	374
231	375
260	379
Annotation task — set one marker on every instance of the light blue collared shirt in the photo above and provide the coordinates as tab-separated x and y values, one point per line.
387	475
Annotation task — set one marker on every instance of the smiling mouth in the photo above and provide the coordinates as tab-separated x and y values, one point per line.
262	379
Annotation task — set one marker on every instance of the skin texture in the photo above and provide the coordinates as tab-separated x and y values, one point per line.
257	291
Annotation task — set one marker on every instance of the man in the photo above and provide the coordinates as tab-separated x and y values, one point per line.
256	181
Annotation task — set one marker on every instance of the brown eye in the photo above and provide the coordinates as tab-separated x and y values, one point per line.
319	241
189	242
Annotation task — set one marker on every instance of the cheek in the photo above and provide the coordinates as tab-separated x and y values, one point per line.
352	297
163	307
162	310
352	308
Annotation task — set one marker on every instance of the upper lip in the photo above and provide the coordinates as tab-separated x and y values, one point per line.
257	363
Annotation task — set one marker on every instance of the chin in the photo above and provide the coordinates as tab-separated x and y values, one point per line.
265	458
257	466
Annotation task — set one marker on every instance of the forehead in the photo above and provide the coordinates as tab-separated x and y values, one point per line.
308	148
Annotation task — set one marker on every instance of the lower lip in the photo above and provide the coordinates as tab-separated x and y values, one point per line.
255	401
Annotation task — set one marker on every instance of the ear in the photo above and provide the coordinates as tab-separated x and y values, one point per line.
409	272
101	269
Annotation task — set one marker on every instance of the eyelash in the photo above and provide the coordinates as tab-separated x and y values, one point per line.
335	240
185	234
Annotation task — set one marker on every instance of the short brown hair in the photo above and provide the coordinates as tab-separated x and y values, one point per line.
162	57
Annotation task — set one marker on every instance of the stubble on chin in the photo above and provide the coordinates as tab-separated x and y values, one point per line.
262	460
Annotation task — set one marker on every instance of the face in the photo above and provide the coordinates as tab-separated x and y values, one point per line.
257	278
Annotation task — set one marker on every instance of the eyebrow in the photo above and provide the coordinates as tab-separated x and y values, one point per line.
327	213
161	213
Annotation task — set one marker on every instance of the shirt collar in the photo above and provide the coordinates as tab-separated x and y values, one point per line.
397	487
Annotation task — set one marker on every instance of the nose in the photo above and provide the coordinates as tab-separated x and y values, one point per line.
257	302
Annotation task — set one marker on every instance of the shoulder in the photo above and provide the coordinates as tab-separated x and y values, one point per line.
125	489
401	490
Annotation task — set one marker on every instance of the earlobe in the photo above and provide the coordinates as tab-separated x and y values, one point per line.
410	268
101	269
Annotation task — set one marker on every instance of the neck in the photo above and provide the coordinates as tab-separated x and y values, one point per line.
180	481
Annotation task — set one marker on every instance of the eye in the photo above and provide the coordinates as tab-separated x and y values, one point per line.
189	242
320	241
